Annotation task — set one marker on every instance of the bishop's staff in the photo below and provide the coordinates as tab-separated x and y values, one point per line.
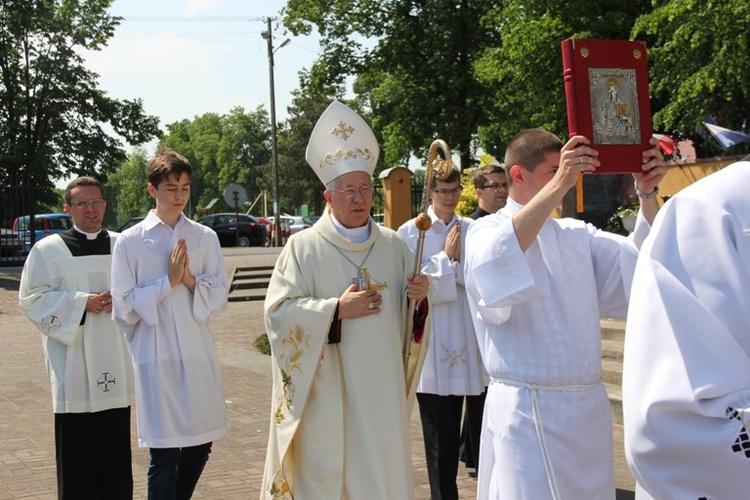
414	353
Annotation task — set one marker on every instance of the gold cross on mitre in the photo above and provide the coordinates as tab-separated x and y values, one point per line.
365	282
343	130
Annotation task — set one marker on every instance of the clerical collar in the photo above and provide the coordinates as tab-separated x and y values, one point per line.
89	236
356	234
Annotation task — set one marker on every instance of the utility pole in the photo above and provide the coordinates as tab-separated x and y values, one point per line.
268	35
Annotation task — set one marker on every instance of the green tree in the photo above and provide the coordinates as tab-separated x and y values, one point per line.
524	69
699	63
129	196
413	62
223	150
244	152
54	120
298	183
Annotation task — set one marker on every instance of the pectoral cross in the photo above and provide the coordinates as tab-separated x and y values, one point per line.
365	282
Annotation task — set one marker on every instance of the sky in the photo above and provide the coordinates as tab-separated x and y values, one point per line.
184	58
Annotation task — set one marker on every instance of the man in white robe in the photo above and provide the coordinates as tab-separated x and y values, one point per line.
686	378
168	278
491	187
339	419
453	366
65	292
538	287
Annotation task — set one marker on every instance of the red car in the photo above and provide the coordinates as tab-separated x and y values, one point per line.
286	229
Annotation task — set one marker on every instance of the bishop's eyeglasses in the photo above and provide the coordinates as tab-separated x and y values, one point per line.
351	192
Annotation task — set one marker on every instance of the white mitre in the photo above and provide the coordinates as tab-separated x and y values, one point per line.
341	142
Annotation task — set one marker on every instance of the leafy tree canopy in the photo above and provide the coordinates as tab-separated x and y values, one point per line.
699	63
54	120
524	69
223	149
413	63
131	198
298	183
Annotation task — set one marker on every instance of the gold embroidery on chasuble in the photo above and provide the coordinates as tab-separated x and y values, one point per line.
279	488
296	343
453	357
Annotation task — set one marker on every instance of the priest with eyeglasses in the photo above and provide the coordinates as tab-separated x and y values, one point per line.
335	314
65	292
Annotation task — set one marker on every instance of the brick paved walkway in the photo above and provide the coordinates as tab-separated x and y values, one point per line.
234	471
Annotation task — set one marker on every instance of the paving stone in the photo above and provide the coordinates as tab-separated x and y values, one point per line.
235	468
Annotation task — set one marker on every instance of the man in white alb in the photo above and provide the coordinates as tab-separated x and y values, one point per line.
168	278
453	367
686	377
537	288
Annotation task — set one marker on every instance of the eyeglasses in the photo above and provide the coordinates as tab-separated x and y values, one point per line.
446	192
364	191
493	186
84	204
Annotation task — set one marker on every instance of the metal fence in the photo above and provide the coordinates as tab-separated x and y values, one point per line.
14	201
378	199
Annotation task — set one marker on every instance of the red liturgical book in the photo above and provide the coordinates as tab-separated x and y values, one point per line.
606	91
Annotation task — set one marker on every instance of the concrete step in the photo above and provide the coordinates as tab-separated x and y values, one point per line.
612	349
613	329
255	294
614	392
249	283
613	344
254	272
612	371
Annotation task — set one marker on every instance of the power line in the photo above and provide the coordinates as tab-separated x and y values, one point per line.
168	35
195	19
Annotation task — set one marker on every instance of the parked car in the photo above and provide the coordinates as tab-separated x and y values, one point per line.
298	223
10	243
130	223
46	224
252	232
286	229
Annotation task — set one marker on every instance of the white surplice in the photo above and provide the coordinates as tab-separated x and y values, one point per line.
686	379
547	422
453	365
89	364
339	426
179	395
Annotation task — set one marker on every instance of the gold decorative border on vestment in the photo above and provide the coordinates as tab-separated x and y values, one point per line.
298	341
279	488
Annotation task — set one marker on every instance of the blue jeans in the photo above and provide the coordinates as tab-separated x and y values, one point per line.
174	472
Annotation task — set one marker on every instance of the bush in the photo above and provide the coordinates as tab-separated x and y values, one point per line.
262	345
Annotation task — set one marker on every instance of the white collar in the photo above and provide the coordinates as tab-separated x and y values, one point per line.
89	236
355	234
